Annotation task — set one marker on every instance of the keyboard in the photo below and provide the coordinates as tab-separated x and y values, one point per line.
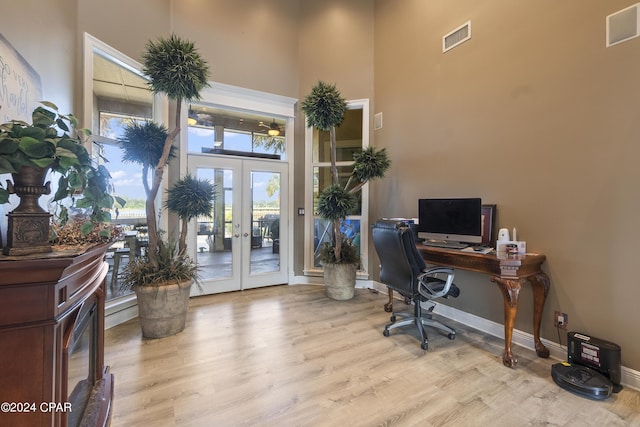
446	245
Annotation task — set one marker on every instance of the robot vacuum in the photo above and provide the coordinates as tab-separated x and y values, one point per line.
593	368
581	380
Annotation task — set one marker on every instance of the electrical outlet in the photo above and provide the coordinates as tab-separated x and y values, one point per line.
560	320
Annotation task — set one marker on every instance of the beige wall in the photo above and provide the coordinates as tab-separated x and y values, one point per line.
123	24
535	115
44	33
248	43
335	44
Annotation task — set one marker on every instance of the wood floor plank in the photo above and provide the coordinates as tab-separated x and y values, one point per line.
289	356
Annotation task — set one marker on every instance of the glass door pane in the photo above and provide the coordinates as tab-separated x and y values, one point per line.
218	236
265	220
214	233
264	254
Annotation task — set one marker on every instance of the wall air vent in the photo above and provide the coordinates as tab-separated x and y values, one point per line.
623	25
456	37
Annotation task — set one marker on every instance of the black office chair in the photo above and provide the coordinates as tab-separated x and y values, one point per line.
403	270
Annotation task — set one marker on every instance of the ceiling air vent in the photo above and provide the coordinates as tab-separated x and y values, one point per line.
456	37
623	25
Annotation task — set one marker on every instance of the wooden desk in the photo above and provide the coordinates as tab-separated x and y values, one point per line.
509	272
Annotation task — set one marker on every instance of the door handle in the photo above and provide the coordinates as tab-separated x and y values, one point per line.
236	235
246	234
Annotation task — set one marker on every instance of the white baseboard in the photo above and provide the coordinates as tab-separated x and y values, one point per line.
318	279
120	310
630	378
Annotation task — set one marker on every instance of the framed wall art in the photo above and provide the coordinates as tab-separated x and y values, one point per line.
489	225
20	89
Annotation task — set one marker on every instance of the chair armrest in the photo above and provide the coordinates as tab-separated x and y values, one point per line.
428	289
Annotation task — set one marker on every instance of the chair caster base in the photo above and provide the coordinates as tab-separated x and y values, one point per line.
452	336
385	332
424	346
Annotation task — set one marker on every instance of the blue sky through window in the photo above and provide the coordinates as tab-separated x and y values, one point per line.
126	177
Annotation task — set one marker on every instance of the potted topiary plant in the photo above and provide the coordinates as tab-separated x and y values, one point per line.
163	293
324	108
29	152
176	69
190	198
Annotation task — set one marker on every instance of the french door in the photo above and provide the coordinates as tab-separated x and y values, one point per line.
243	243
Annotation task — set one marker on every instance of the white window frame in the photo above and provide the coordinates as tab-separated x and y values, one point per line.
119	309
309	268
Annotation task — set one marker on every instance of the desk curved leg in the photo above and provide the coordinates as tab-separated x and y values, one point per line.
510	289
388	307
540	285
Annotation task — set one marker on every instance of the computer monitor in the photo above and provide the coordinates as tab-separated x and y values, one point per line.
450	220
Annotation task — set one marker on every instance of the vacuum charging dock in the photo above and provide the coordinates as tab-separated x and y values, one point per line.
593	367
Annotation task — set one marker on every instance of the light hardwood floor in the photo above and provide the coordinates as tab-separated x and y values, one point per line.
289	356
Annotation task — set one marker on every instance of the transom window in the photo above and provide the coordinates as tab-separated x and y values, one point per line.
221	131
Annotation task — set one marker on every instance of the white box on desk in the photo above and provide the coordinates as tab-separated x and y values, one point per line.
501	246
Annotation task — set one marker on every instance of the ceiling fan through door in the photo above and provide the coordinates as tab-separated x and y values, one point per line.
273	128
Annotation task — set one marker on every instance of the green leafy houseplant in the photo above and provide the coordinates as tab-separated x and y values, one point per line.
52	143
325	107
48	142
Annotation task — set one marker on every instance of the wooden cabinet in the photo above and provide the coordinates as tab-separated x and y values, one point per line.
51	305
